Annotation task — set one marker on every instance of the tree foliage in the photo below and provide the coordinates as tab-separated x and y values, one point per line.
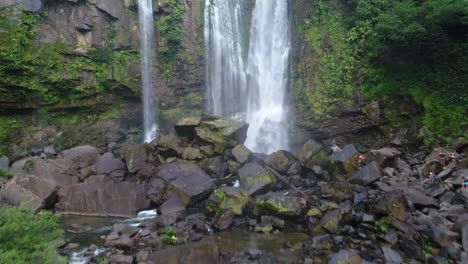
26	238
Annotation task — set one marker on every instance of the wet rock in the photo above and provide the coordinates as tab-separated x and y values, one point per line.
107	163
4	163
391	256
329	222
194	186
228	197
340	190
197	252
171	145
82	156
384	157
77	228
273	221
121	242
314	212
311	154
328	205
322	243
162	220
185	127
222	131
255	179
120	259
417	197
191	153
215	167
172	205
241	153
281	160
157	190
279	204
123	229
367	174
254	253
104	199
223	219
394	203
138	159
345	161
345	256
263	228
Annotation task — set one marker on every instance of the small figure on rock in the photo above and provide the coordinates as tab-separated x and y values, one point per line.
464	182
361	160
335	147
432	174
442	158
453	158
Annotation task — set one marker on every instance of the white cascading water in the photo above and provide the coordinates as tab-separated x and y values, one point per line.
146	26
248	67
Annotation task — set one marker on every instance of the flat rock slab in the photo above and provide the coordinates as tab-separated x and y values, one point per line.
367	174
102	199
205	252
255	179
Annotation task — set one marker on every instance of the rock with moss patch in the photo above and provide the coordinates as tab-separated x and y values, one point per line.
171	146
280	160
222	131
138	159
241	153
279	204
228	197
340	190
255	179
191	153
345	162
185	127
330	222
393	203
216	167
312	154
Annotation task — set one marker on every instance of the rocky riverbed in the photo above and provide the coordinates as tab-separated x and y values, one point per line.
220	203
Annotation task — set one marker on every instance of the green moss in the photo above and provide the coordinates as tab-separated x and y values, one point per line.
194	98
5	174
10	133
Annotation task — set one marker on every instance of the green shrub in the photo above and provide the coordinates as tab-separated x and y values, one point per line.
169	237
26	238
5	174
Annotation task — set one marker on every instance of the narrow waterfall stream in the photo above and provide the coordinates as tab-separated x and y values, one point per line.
248	45
146	26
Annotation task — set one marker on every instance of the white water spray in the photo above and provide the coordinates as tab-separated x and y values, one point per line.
146	26
248	67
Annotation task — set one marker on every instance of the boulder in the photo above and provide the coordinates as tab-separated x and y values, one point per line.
217	130
107	163
82	156
255	179
156	191
330	222
273	221
171	145
417	197
280	160
312	154
14	194
345	161
192	185
215	167
171	171
172	205
340	190
241	153
223	219
123	199
427	167
57	171
191	153
228	197
205	251
4	162
120	259
123	229
345	257
138	159
384	157
394	203
391	256
367	174
279	204
185	127
120	242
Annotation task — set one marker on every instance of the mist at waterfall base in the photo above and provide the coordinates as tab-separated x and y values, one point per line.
146	26
248	49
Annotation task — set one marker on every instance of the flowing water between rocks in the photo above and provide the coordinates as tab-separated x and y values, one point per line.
284	245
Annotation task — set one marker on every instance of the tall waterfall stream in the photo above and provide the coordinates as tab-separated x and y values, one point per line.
248	47
146	26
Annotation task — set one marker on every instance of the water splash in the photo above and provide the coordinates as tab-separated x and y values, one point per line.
146	26
248	67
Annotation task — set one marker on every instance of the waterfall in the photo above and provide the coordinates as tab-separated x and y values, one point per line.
248	67
146	26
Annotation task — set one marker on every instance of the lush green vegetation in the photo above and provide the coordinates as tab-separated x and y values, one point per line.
171	31
53	73
26	238
5	174
387	49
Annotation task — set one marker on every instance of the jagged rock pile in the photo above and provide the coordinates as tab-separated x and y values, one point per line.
387	211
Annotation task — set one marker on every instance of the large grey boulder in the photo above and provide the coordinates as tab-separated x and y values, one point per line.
172	205
394	203
82	156
345	161
330	222
279	204
185	127
217	130
107	164
60	171
280	160
255	179
138	159
384	157
14	194
312	154
367	174
193	187
241	153
123	199
391	256
215	167
418	197
171	145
